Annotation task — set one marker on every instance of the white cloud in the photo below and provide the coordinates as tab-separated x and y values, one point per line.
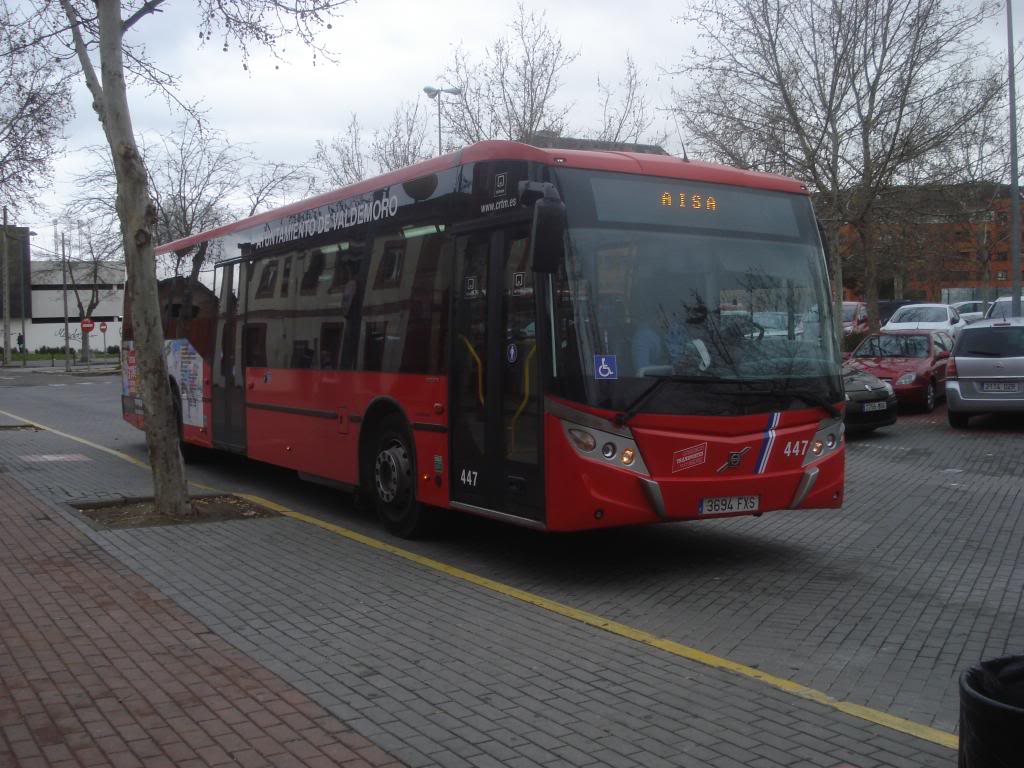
386	50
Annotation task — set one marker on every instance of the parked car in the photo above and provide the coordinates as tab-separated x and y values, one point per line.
925	317
986	371
855	317
913	362
870	402
970	310
1000	308
886	307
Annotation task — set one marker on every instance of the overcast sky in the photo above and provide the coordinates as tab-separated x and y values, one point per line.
387	50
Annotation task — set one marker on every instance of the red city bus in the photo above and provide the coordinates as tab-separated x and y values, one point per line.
558	339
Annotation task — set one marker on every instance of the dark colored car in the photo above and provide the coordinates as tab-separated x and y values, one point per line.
913	362
870	402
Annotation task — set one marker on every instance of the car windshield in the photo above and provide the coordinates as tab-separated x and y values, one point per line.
849	310
722	299
920	315
893	346
991	342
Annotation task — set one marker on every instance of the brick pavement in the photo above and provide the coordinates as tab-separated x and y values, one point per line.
98	668
439	672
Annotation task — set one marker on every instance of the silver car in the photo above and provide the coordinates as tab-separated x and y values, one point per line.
970	311
985	374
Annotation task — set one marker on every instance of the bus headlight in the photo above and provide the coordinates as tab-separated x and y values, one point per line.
583	439
826	440
615	448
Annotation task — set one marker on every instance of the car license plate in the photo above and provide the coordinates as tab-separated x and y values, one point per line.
717	504
1000	386
879	406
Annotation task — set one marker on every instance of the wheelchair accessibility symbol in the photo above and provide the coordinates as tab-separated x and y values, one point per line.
605	367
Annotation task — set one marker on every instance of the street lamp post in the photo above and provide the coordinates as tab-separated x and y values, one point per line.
435	93
4	267
1014	189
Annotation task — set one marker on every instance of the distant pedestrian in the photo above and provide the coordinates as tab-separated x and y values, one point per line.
21	342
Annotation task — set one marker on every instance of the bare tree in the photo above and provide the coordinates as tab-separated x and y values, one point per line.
511	92
35	104
845	94
403	141
343	160
92	34
625	113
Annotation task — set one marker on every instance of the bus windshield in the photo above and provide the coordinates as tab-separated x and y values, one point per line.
728	295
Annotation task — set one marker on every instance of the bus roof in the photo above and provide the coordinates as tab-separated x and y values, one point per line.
666	166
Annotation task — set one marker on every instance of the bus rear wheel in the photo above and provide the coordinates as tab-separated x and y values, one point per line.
394	481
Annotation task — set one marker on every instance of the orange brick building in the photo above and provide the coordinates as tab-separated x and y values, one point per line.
936	244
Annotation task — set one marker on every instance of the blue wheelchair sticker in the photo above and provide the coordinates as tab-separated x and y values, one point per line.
605	367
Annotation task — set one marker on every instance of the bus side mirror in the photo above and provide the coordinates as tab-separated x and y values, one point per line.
547	236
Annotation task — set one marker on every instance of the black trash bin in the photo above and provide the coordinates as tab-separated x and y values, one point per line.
992	714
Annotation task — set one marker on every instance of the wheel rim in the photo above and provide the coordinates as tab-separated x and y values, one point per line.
392	471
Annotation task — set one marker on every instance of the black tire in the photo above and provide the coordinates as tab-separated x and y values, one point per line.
958	420
392	474
929	398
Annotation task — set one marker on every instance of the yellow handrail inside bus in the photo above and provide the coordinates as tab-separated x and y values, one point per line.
526	399
479	368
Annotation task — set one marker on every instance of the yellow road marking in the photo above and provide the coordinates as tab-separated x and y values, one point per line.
893	722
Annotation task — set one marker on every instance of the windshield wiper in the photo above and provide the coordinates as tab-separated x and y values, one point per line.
631	410
808	397
812	399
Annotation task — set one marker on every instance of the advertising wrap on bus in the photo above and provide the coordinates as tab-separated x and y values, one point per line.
640	353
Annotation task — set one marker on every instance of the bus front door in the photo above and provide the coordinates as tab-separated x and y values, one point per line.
495	381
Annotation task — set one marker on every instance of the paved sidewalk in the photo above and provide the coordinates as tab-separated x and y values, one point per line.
99	668
278	635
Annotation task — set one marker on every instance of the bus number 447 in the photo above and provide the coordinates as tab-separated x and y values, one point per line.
795	448
468	477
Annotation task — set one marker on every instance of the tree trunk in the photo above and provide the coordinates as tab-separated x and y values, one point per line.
138	218
870	274
185	314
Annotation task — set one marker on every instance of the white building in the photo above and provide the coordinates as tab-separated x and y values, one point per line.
101	285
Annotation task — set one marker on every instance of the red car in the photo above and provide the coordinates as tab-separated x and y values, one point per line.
855	317
914	362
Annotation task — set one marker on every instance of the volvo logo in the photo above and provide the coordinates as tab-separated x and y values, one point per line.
735	457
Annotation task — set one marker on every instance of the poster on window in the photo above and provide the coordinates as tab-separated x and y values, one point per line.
185	366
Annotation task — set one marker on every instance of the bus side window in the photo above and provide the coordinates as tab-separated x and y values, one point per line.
404	318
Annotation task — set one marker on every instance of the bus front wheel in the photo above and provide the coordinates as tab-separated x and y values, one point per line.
394	481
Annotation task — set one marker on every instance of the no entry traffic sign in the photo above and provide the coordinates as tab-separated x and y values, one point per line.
87	325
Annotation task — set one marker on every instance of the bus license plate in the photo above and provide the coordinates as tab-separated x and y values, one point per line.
718	504
999	386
